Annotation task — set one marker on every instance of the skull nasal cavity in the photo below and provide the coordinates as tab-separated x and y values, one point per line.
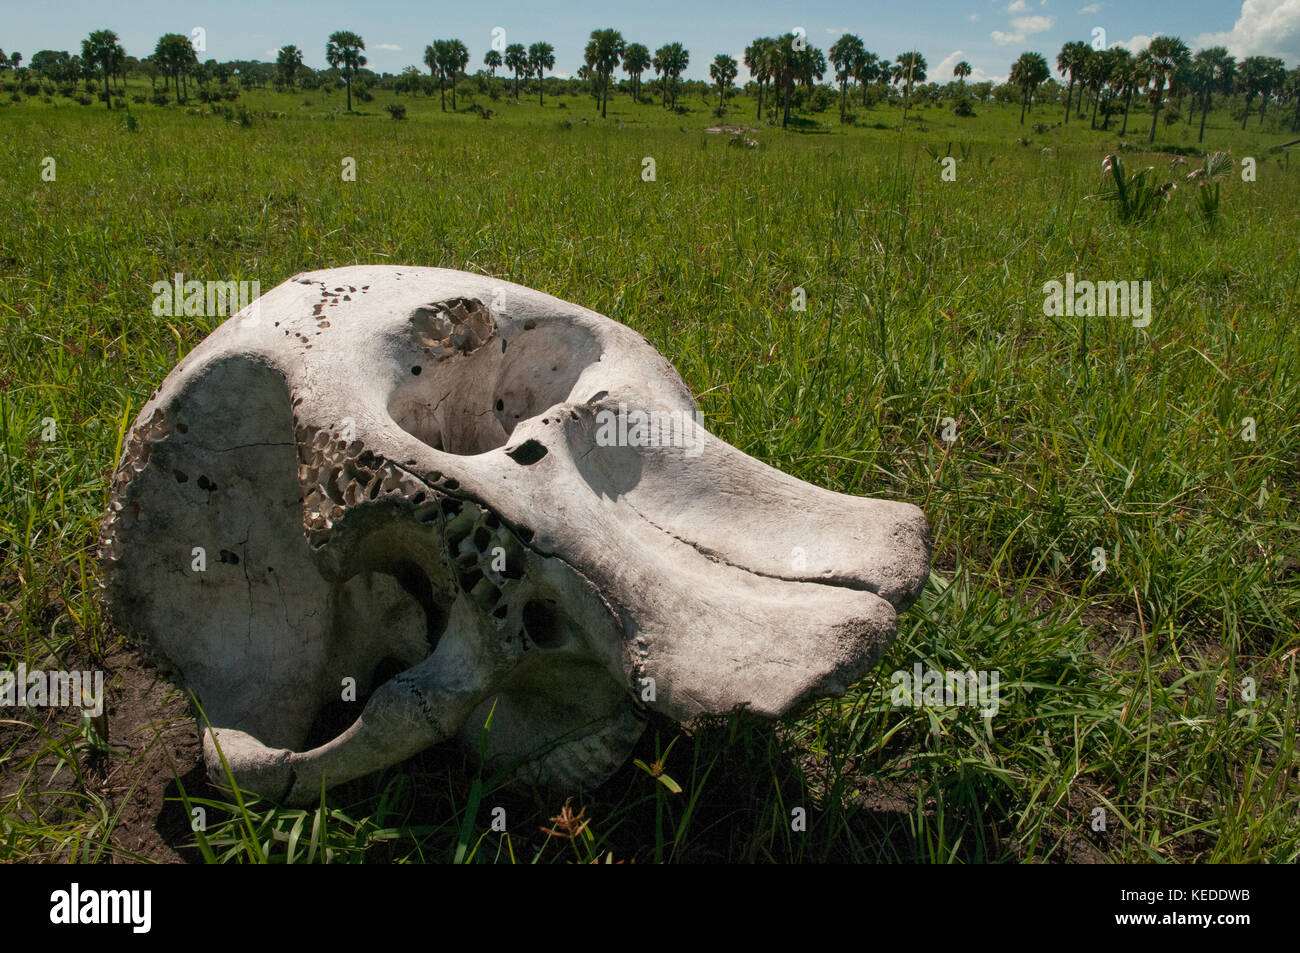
542	625
527	453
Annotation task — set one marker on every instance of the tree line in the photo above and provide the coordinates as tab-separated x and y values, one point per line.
784	71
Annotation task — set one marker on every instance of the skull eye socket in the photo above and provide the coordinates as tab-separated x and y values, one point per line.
463	397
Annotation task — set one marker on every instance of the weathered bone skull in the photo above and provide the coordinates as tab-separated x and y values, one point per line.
415	469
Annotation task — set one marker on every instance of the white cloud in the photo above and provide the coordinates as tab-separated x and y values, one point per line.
943	72
973	17
1090	8
1032	25
272	53
1022	28
387	46
1264	28
1135	44
1018	6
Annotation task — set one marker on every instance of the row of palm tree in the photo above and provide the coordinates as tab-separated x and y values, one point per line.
1167	65
524	62
446	60
1166	68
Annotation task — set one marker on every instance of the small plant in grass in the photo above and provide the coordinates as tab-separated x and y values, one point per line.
1216	167
1137	196
396	110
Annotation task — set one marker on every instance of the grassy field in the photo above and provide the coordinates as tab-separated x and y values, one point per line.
923	369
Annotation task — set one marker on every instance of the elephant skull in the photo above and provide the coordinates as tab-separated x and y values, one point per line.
502	497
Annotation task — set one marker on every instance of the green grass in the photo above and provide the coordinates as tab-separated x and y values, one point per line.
1120	691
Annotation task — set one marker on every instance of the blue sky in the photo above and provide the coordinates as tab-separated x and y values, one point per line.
987	34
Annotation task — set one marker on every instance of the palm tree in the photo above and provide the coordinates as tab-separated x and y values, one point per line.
1139	70
961	71
1069	62
671	59
758	60
810	67
1293	93
174	54
723	71
1119	79
636	60
343	51
845	54
517	62
1029	72
867	70
457	58
1272	77
101	49
1164	56
492	60
1250	75
783	71
1211	72
287	64
793	65
541	57
1096	74
435	57
603	53
908	68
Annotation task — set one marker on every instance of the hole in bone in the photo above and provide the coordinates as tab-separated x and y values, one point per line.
481	538
542	625
386	619
387	667
416	584
180	476
527	453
